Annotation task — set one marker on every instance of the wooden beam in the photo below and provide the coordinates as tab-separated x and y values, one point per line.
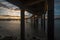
33	3
25	3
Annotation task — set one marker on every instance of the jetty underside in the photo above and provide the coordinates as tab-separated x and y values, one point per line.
38	9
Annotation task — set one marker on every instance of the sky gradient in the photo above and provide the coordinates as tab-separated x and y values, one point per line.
57	7
4	10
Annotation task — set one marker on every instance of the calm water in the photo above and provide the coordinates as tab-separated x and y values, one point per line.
57	29
13	28
10	28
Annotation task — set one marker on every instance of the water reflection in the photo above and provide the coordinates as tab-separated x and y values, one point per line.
10	28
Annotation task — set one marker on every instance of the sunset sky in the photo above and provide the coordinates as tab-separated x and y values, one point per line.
8	8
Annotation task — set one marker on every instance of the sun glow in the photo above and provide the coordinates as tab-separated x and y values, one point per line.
11	12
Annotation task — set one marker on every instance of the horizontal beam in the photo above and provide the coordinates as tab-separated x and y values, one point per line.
19	3
33	3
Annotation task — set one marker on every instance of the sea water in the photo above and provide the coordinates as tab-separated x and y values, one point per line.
12	28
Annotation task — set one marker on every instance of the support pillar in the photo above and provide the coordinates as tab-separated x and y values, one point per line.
36	23
50	23
44	22
22	25
42	26
31	22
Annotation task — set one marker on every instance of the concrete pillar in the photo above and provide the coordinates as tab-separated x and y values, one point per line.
22	25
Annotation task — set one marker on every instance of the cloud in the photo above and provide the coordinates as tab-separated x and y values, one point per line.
5	11
8	5
2	0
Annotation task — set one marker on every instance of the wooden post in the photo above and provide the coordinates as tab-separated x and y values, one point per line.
44	22
50	24
22	25
36	23
41	22
31	21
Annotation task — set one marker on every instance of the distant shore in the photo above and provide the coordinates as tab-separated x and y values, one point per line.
19	19
9	19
